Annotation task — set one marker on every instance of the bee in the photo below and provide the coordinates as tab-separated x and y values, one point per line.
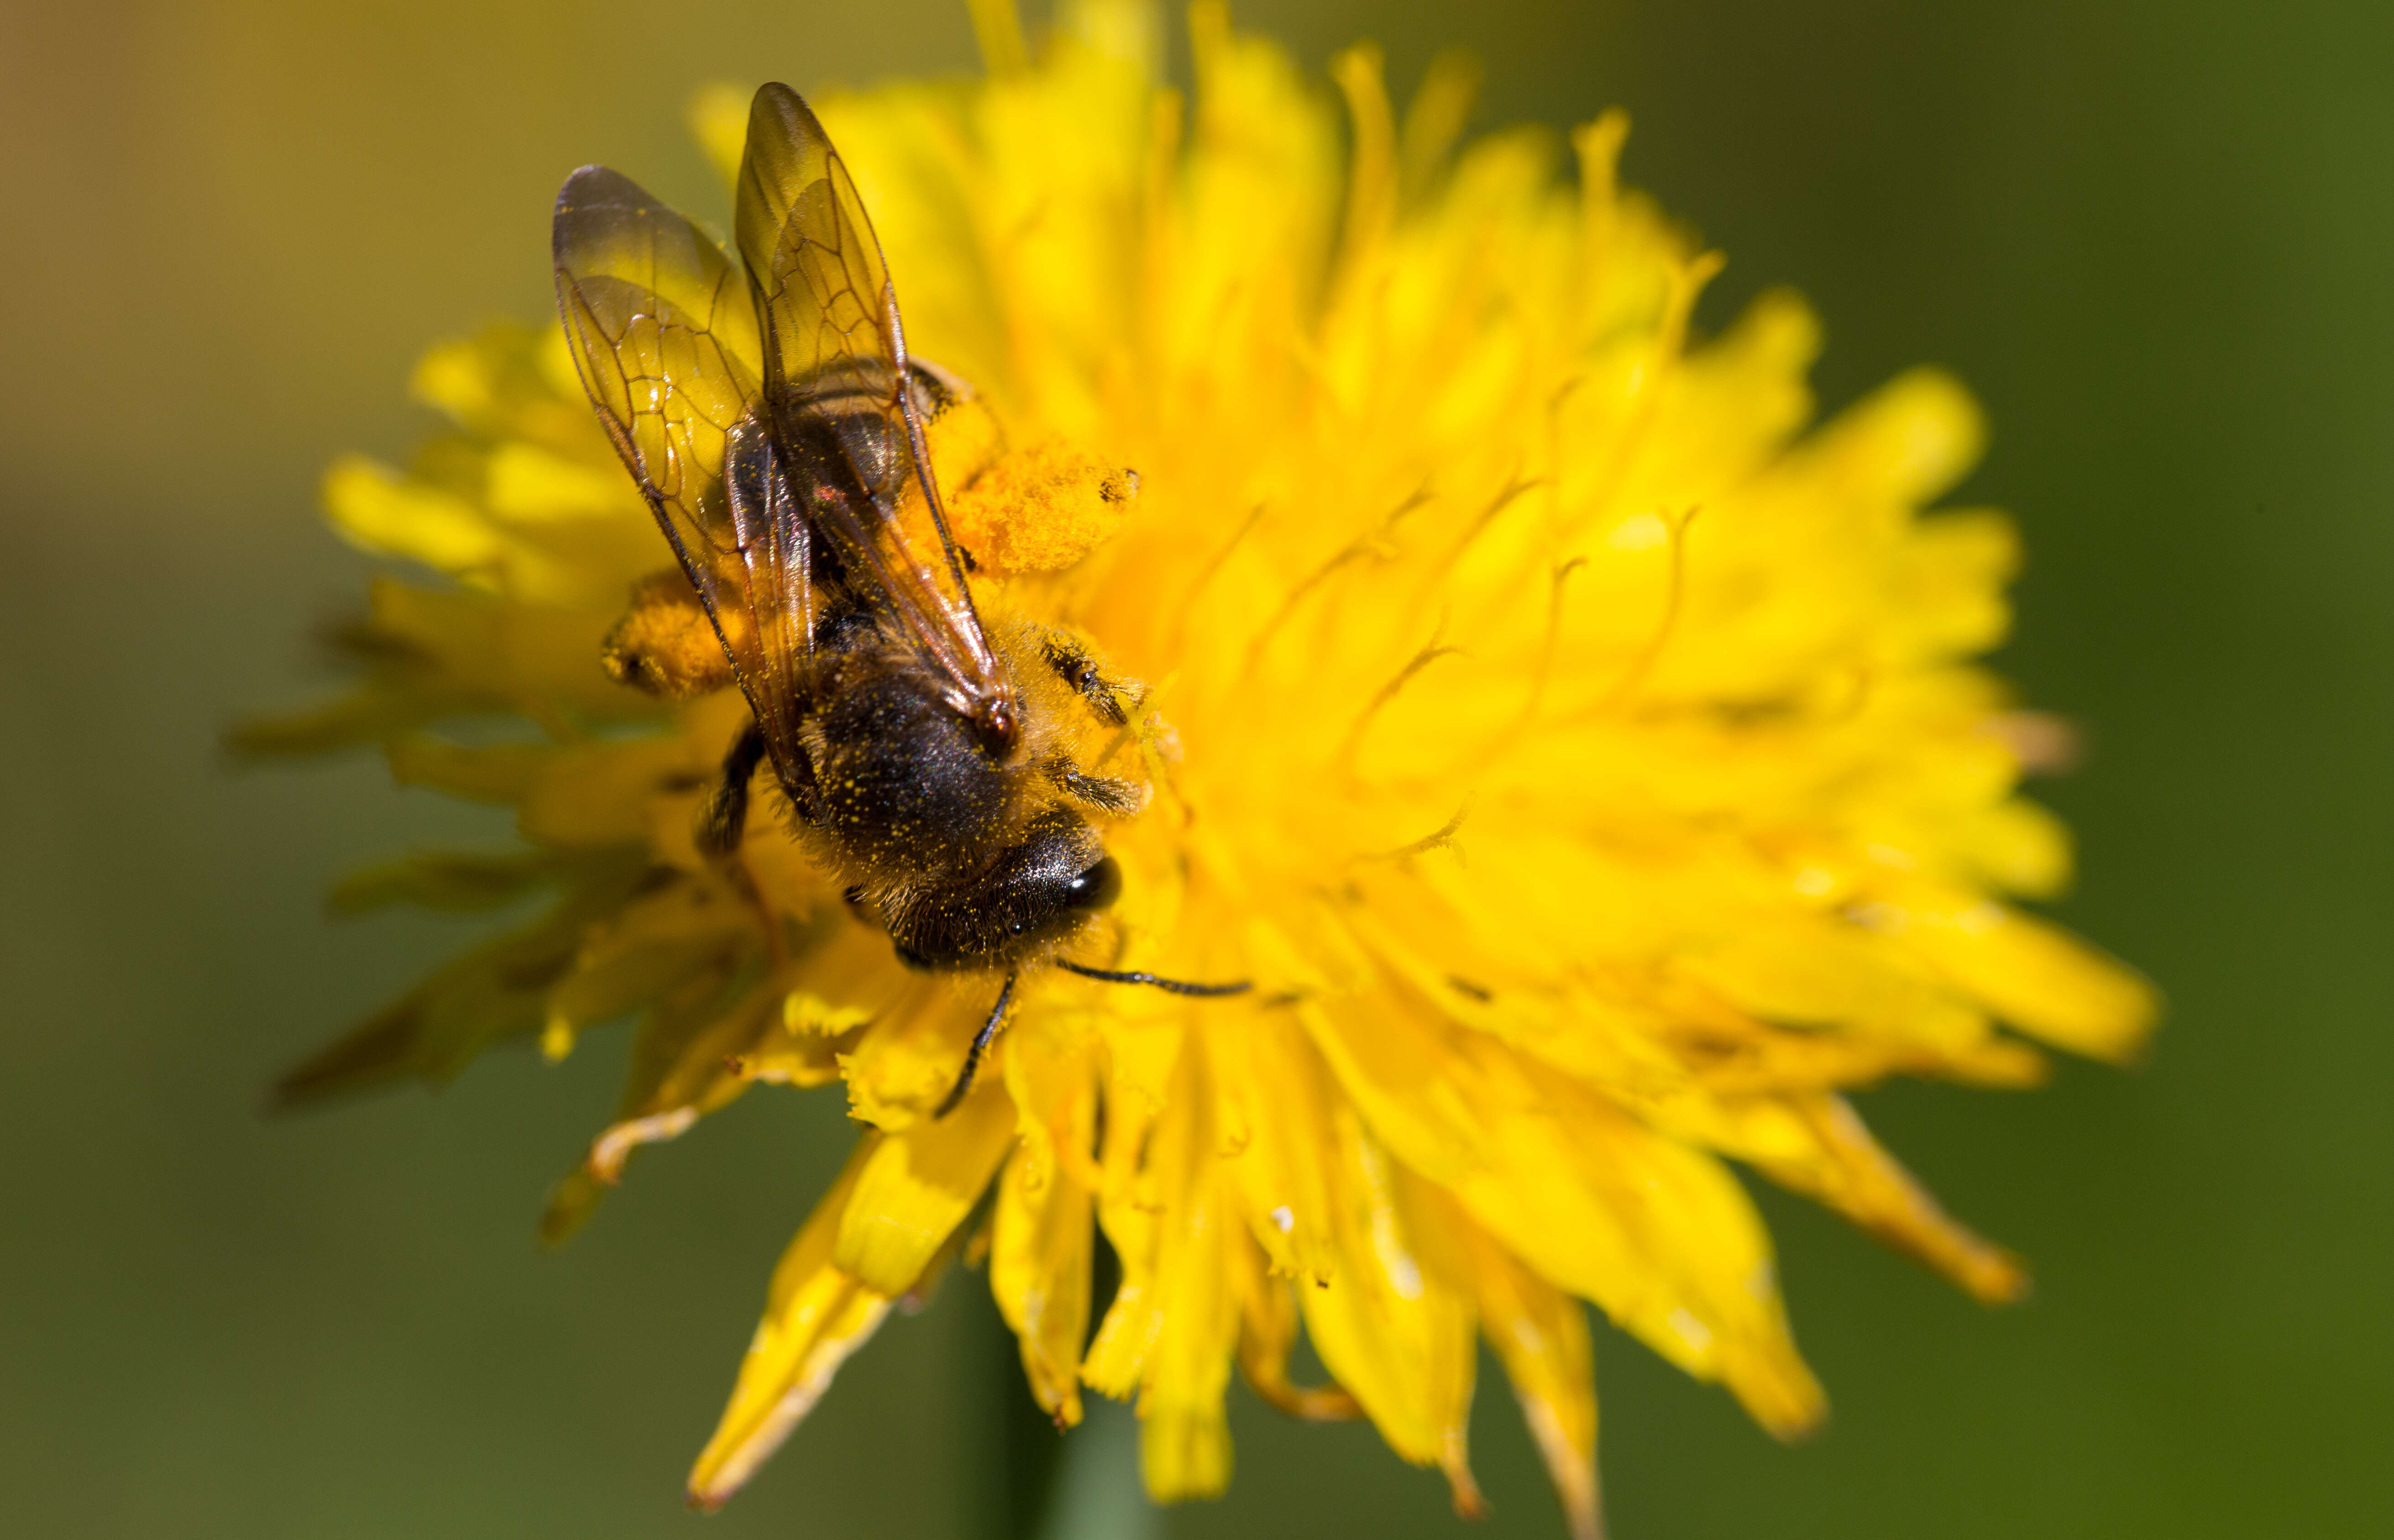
776	428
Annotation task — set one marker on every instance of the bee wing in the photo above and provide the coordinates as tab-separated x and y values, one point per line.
665	338
842	398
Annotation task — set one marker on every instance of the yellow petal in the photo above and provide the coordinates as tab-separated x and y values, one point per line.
653	947
529	484
454	880
1268	1322
1817	1146
597	793
386	513
2047	984
2019	847
1277	1098
1039	1272
815	1316
499	772
909	1060
1144	1160
917	1186
1041	1238
493	993
1540	1334
1657	1233
1152	1160
1905	442
1185	1435
1174	1322
1392	1326
693	1054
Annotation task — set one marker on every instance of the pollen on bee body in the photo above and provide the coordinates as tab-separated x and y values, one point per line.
1040	508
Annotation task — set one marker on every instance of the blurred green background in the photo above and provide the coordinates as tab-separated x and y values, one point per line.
2156	237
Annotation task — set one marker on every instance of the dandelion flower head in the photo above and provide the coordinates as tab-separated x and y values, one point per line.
1580	750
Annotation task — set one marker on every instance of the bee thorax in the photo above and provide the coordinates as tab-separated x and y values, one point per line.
904	782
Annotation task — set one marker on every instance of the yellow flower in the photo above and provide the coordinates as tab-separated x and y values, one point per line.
1582	756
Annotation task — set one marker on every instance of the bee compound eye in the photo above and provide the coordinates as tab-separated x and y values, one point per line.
1096	888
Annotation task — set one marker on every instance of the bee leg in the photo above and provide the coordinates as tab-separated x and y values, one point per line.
665	645
1075	667
725	818
980	1046
1122	798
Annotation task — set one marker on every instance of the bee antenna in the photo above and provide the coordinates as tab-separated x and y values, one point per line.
980	1046
1173	986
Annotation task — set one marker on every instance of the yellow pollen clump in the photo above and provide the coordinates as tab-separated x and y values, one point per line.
1040	510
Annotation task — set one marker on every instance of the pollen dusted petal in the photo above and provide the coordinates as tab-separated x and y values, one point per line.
909	1056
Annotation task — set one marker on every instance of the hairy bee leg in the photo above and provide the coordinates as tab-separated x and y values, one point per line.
664	645
1075	667
1170	986
1104	793
725	818
980	1046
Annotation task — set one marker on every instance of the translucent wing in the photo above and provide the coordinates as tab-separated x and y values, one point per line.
665	335
842	399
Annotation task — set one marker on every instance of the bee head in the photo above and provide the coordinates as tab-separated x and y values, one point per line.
1034	892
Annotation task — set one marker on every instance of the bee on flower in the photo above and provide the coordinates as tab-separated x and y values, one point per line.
1236	673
